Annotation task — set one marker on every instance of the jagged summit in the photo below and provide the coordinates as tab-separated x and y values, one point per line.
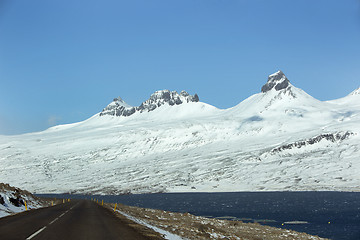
120	108
120	101
161	97
277	81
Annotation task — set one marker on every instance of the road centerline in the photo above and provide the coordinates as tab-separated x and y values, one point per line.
42	229
53	221
36	233
85	220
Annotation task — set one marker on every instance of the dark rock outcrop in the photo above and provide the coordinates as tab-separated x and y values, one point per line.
277	81
17	202
332	137
119	108
162	97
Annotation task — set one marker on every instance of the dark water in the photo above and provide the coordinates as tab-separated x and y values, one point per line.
334	215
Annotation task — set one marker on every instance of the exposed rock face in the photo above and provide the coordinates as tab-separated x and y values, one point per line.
162	97
332	137
17	202
277	81
119	108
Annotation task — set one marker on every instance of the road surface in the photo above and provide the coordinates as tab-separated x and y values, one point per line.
73	220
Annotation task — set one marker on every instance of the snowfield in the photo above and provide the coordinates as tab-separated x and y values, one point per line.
281	139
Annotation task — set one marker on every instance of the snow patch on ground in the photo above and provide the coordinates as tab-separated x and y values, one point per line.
166	234
12	200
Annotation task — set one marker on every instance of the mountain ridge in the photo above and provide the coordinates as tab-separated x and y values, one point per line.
195	147
119	108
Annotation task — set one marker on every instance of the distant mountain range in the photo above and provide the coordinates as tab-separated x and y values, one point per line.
280	139
164	97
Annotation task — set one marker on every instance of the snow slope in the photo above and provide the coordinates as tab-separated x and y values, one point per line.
279	139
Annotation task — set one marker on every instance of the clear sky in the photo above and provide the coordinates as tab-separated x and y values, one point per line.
62	61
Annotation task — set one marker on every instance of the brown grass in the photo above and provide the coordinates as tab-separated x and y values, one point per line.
193	227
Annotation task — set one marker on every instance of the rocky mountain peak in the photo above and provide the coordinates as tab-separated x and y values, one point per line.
277	81
121	102
119	108
171	97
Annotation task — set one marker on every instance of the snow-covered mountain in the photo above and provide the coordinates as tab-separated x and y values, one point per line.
278	139
120	108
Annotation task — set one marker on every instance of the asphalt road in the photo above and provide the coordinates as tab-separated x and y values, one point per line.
73	220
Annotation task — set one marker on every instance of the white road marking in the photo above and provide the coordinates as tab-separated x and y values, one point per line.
54	221
42	229
39	231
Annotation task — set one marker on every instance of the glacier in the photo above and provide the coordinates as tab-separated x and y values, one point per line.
281	139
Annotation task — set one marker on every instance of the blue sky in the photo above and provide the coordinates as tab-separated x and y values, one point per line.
63	61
